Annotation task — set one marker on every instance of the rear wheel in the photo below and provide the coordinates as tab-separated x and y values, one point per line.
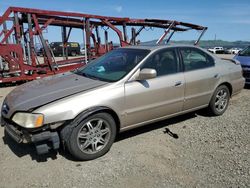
220	100
92	137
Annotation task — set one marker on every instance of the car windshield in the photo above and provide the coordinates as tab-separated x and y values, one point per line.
245	52
114	65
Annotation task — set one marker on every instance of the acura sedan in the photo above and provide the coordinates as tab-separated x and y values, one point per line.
128	87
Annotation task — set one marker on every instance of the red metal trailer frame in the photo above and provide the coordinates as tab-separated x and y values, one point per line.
19	55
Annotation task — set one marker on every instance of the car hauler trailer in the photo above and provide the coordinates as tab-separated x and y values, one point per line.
20	27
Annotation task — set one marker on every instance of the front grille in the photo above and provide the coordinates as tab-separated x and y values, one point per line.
12	130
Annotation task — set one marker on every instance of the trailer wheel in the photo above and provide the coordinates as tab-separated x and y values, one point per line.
73	53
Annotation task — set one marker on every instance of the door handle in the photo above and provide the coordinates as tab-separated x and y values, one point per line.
178	83
216	75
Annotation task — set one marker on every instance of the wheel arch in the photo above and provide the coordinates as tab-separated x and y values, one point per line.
98	109
113	114
229	86
67	128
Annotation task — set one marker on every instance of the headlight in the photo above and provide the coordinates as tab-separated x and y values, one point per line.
28	120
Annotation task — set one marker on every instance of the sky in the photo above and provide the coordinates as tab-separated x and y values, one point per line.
226	19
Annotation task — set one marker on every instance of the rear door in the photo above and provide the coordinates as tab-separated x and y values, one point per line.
200	75
154	98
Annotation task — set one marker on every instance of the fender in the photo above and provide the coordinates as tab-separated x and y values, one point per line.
83	115
68	128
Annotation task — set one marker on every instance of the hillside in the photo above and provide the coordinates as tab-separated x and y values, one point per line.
208	43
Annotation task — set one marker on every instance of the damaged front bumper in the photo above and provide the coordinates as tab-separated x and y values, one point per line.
44	140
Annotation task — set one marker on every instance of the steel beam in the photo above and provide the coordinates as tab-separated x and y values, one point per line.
31	48
7	35
87	35
64	42
165	33
133	34
41	19
119	33
85	44
124	32
106	40
202	33
1	64
136	33
5	31
170	36
17	28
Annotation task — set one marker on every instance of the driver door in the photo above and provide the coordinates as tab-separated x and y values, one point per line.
155	98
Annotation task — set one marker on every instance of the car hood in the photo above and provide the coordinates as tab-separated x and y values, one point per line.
244	60
49	89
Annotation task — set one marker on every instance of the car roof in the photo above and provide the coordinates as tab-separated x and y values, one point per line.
156	47
62	42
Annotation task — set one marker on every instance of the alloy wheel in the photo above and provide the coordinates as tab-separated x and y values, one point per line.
221	100
93	136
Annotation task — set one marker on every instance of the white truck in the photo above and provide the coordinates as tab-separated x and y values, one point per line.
216	50
234	50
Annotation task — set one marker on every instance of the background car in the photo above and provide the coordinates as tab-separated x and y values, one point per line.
234	50
57	49
216	50
244	58
72	47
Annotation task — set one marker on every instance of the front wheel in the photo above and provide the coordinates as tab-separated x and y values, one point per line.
219	101
92	137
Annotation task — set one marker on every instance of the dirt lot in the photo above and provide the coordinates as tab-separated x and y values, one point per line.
193	150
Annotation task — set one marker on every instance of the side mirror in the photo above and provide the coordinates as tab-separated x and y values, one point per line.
146	74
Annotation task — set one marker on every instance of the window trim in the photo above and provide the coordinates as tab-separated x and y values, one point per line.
178	60
195	49
127	74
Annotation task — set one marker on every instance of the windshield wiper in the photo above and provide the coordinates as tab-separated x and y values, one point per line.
93	77
90	76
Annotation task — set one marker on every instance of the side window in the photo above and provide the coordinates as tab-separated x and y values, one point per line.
195	59
164	62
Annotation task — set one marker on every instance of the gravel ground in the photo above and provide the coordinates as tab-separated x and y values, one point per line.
193	150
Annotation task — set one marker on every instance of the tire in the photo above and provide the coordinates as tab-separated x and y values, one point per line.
219	101
92	137
73	53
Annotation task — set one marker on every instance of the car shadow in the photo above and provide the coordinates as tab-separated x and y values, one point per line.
204	112
155	126
22	150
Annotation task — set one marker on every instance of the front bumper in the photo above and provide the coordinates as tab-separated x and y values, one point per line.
43	140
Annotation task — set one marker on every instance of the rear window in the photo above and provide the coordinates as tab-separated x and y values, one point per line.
195	59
